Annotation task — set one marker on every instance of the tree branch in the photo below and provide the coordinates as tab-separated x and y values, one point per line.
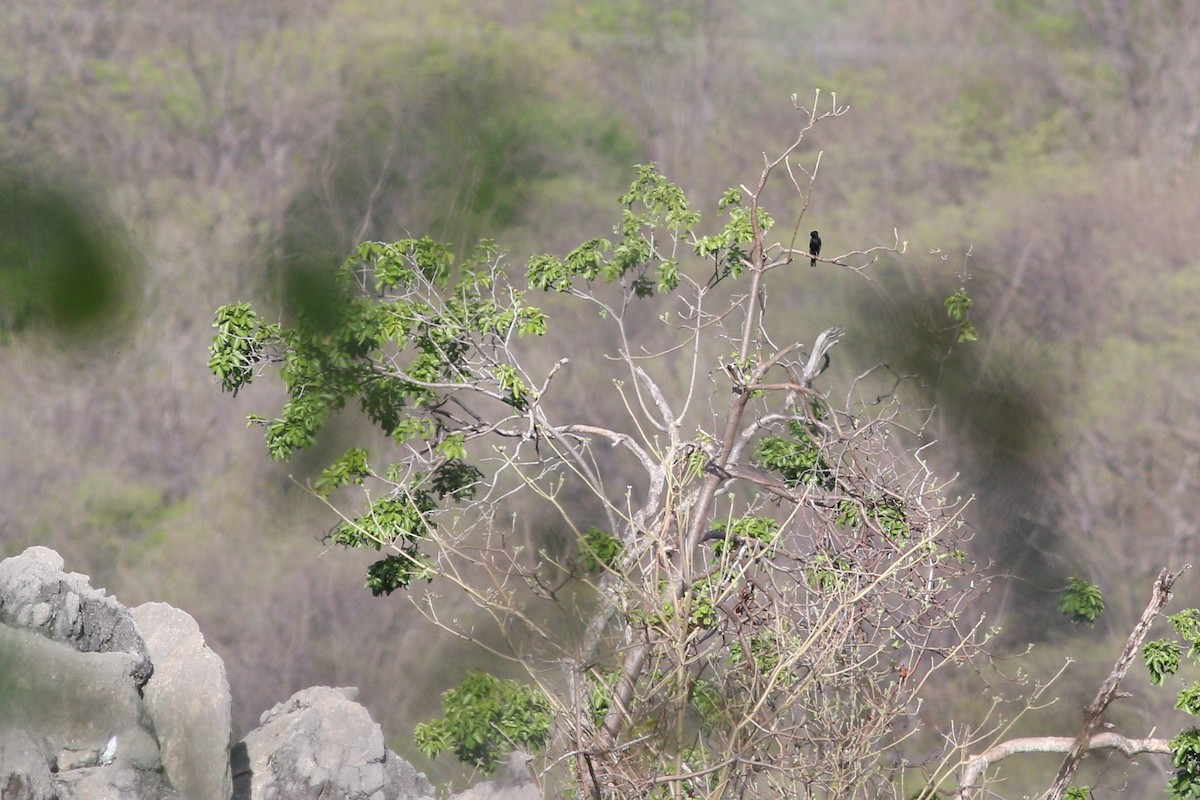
968	781
1108	690
971	774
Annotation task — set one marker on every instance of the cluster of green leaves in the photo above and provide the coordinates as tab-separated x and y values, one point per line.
800	460
407	324
640	257
350	467
704	697
798	457
1163	658
635	258
701	782
600	550
1187	626
1185	757
1081	601
958	307
727	249
234	351
888	513
826	573
707	591
760	529
602	685
765	650
399	522
325	367
485	718
703	602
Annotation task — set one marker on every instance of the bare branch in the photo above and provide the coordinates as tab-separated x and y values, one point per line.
972	771
1108	690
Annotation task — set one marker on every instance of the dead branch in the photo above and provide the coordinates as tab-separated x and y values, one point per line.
1108	690
973	770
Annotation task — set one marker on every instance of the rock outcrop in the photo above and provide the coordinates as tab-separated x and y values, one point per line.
514	782
319	744
37	596
72	670
26	772
104	703
188	700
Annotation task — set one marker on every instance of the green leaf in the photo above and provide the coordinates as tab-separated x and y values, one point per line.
1082	601
509	382
668	275
395	572
848	514
1161	658
1187	625
957	305
798	458
403	516
1185	756
892	518
456	479
486	717
1189	700
453	446
350	467
235	348
762	529
433	737
531	320
599	549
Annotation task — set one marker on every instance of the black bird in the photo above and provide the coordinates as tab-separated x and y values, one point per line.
814	247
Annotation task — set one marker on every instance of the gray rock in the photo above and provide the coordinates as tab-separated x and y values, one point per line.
188	700
72	667
320	744
101	703
70	700
36	595
514	782
114	782
24	772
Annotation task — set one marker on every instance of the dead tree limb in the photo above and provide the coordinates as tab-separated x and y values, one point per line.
972	771
971	775
1108	690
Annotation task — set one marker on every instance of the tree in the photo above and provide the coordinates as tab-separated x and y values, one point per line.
773	575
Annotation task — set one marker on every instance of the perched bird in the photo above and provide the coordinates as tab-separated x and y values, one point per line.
814	247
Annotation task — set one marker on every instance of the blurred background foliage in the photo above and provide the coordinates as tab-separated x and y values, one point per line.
158	159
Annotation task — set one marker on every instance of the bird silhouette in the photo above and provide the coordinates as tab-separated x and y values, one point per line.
814	247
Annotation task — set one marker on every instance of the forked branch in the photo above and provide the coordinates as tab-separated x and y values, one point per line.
969	783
